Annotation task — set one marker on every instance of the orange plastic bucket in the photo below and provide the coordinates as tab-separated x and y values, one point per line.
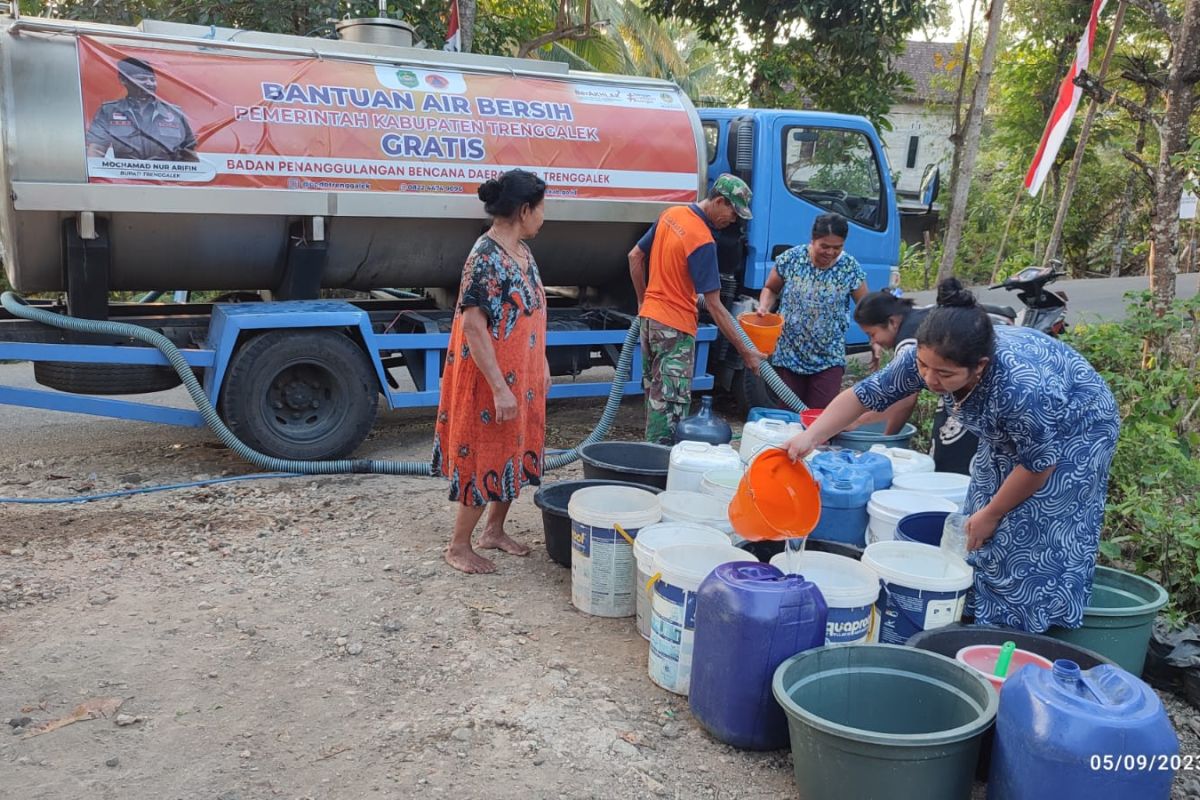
810	416
776	499
763	331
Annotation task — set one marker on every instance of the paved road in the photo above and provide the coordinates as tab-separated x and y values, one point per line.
1088	300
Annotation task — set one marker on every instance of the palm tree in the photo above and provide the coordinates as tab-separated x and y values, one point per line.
629	41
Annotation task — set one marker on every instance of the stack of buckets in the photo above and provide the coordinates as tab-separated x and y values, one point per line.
719	623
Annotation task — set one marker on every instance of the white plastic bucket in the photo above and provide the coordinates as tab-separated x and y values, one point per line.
763	433
655	537
904	461
887	507
950	485
690	460
603	570
850	591
695	507
721	483
924	588
678	572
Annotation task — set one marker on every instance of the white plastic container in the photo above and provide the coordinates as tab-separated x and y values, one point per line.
648	542
696	507
690	460
603	569
678	572
888	507
763	433
850	591
950	485
904	461
721	484
923	588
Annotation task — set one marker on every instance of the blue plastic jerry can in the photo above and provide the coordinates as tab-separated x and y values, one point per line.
880	466
845	491
1068	734
750	618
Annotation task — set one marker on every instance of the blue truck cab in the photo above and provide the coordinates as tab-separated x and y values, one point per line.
799	164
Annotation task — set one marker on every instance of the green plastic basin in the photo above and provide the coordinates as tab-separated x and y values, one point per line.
883	721
1118	621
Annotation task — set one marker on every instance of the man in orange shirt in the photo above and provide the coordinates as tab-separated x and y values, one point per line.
681	257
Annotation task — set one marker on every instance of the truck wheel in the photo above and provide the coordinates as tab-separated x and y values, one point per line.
104	379
309	395
751	391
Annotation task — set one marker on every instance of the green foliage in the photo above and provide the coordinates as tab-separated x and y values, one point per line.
1152	523
635	43
1111	204
501	25
826	54
841	71
918	273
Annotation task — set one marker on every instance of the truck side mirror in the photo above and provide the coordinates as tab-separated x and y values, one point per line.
931	184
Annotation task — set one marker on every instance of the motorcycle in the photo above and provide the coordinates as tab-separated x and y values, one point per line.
1044	310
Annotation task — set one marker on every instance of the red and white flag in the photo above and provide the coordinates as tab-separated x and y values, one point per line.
453	36
1064	108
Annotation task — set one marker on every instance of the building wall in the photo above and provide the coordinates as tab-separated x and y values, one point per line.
931	126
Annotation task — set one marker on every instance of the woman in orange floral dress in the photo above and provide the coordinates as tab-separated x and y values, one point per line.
491	423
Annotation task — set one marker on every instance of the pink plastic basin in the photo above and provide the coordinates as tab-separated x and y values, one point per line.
982	657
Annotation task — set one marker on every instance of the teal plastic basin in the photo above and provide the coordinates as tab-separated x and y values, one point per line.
1118	621
862	438
883	721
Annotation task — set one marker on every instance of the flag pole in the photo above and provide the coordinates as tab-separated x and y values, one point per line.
1084	132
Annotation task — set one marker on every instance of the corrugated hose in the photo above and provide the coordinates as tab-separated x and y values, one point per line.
17	306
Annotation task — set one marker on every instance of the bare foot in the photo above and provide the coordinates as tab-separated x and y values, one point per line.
468	561
499	540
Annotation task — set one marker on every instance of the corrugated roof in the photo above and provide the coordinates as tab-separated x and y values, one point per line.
933	67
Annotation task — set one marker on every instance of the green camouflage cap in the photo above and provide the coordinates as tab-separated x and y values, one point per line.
735	190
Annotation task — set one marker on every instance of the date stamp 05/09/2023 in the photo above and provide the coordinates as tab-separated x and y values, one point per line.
1127	762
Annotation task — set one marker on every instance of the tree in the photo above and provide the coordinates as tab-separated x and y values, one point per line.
962	181
1179	92
828	54
498	27
627	40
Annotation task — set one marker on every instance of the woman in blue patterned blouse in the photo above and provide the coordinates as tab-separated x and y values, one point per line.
1047	426
814	283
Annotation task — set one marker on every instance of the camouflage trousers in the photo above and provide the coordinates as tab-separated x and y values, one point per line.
668	360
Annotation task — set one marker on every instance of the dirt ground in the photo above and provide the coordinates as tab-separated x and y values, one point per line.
302	638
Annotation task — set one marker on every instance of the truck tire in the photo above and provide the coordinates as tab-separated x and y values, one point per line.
306	395
105	379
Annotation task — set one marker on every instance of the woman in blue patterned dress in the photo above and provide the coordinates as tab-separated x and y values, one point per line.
814	283
1047	426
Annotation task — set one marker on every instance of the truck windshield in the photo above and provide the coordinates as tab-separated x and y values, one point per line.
836	170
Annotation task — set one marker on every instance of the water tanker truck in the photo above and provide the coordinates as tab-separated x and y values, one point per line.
323	192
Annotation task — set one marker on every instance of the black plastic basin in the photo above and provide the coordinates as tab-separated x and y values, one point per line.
627	462
552	499
948	640
765	551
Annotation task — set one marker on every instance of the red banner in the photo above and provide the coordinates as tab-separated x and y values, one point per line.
198	119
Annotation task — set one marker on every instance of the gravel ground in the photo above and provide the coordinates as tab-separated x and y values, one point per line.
301	638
